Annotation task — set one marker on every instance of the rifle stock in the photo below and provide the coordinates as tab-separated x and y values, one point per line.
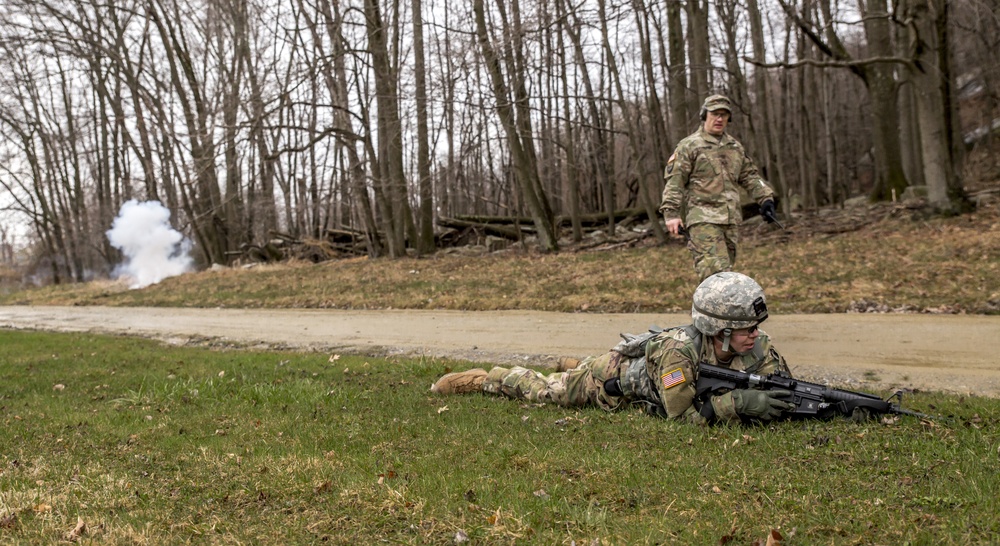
811	400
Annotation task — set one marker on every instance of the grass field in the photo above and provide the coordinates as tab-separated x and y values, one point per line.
128	441
114	440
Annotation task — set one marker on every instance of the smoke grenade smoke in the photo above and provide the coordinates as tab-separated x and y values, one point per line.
153	250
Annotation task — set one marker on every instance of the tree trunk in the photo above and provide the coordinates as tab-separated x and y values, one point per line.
521	146
390	132
570	173
890	177
762	109
602	163
698	51
335	77
425	240
928	17
205	204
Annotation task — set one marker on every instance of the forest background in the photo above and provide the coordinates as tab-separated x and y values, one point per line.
383	122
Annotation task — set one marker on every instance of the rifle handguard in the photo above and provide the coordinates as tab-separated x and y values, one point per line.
807	399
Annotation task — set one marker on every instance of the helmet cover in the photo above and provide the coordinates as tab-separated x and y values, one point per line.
728	300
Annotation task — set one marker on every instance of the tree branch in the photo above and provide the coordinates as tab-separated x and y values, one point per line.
834	64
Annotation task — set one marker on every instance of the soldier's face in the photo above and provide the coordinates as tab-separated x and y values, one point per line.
716	122
742	341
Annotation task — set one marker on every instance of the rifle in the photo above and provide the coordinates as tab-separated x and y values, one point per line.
811	400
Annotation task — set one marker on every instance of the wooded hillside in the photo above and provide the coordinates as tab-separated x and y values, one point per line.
381	122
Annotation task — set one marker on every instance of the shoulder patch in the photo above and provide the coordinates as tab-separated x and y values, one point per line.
670	162
672	378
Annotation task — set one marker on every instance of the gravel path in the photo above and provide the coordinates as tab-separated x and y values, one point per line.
858	351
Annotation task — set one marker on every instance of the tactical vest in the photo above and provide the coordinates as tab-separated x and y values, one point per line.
634	380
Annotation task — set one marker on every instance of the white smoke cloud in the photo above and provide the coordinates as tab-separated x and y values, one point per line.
153	250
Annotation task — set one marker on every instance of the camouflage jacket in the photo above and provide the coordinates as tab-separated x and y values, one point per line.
703	178
672	358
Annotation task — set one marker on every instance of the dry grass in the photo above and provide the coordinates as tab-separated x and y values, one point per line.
898	260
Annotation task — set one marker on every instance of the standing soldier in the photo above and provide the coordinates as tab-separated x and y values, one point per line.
659	370
701	193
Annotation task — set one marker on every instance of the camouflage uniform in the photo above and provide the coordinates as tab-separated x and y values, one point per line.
668	370
579	387
702	181
672	364
658	370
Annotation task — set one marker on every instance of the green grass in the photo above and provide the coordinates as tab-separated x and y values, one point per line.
152	444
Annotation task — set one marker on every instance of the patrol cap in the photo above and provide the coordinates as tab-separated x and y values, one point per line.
717	102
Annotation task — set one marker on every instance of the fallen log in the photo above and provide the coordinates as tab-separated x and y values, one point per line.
515	233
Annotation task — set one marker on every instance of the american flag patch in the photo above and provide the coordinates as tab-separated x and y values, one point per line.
673	378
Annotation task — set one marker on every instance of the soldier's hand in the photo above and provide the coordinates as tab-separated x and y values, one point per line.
763	405
768	211
860	415
674	225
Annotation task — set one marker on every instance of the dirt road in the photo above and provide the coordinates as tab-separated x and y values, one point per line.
928	352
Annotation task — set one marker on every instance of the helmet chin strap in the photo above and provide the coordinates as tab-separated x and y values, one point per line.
725	342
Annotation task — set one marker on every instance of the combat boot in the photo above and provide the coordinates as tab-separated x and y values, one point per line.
460	382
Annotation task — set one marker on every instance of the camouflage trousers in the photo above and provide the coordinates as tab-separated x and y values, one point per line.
713	247
579	387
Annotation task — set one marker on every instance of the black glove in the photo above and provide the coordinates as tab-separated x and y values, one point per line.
860	415
763	405
768	212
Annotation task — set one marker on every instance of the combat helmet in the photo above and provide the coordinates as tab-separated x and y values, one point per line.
728	301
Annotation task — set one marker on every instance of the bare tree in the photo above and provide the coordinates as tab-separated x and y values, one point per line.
876	71
426	239
927	22
397	216
599	140
516	123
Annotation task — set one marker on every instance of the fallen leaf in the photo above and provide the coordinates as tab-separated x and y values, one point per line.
323	487
334	358
58	387
541	494
222	373
78	531
442	409
9	521
774	538
42	508
461	537
715	489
